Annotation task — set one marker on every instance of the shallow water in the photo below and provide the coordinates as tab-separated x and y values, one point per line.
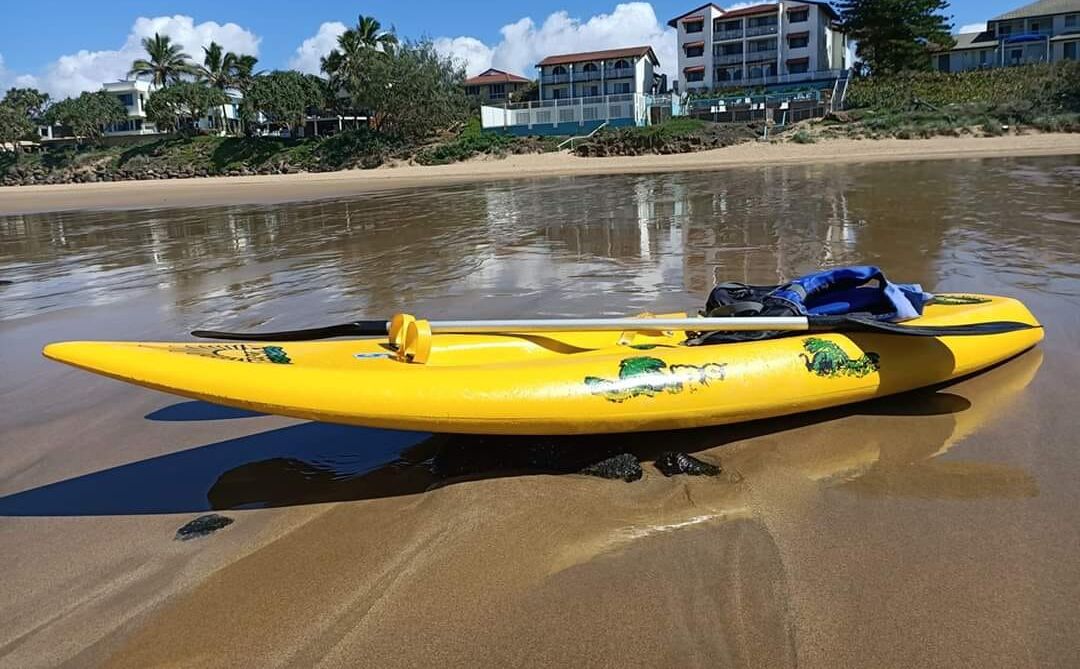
939	526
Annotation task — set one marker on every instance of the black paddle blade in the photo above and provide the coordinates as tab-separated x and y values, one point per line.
851	323
354	329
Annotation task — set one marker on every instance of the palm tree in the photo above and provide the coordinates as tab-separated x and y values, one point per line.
218	71
344	66
371	34
168	63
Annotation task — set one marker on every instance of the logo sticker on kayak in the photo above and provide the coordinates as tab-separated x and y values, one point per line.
952	300
648	377
236	352
825	358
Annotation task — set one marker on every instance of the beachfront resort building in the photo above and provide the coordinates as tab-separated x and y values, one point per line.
496	86
595	73
1044	31
761	45
581	92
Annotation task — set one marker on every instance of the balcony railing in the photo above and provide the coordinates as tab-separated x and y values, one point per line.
589	75
722	35
757	31
727	59
615	73
555	78
759	56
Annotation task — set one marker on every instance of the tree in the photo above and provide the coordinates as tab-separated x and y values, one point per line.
894	35
14	125
88	114
413	91
372	36
167	64
180	106
345	65
284	97
30	100
19	109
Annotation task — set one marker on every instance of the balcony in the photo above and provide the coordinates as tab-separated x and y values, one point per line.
757	31
616	73
724	35
761	56
555	78
728	58
590	75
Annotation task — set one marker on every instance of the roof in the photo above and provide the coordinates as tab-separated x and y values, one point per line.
493	76
983	40
768	8
674	23
1040	8
628	52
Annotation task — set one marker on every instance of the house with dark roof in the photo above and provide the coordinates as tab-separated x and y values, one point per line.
621	71
1044	31
494	86
770	43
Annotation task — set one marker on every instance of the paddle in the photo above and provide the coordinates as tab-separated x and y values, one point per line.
846	323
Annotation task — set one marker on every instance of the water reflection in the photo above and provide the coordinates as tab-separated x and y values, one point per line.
613	244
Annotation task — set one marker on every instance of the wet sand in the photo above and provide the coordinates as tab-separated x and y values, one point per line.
936	528
293	187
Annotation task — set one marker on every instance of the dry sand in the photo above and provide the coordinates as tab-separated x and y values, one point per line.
292	187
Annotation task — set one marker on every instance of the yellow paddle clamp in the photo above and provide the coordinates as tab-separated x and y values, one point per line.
410	338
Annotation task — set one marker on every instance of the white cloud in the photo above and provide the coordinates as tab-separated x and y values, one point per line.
524	43
87	70
973	27
306	58
9	78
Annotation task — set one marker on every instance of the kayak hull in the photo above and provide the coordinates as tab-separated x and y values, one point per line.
562	383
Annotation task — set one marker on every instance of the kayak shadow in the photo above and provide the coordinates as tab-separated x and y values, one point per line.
198	410
315	463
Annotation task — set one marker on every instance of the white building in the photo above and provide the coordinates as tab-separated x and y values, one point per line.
1045	31
133	94
784	42
596	73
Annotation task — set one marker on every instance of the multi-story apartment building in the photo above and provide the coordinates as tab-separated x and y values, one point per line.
133	94
597	73
788	41
1044	31
494	86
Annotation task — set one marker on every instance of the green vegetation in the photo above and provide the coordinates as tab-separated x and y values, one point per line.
676	135
166	64
18	111
1048	86
892	35
88	114
803	136
284	96
180	106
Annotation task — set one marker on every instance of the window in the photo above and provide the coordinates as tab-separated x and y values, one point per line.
1070	50
1071	20
622	65
126	99
558	93
799	16
589	67
1015	55
620	88
695	51
699	75
1004	30
472	90
694	26
497	91
798	42
591	91
762	45
801	67
558	69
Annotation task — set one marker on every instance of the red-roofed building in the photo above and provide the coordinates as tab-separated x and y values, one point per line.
493	85
597	73
790	41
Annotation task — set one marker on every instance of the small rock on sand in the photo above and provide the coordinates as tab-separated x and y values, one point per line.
202	526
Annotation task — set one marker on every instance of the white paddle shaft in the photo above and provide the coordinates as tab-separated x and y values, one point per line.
785	324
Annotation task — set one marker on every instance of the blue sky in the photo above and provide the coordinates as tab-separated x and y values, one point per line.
37	35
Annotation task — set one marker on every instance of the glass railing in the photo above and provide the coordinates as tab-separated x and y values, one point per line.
614	73
721	35
555	78
755	31
754	56
728	58
588	75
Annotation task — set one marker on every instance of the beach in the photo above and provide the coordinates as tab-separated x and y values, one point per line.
936	528
271	189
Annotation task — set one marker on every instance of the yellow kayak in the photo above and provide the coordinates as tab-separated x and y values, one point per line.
563	382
